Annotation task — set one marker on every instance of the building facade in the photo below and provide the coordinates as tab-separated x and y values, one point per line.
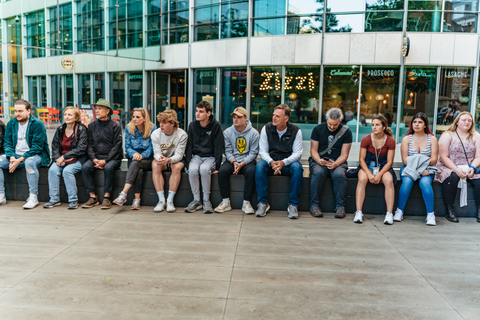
394	57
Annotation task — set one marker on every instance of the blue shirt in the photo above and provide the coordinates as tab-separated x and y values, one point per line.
136	143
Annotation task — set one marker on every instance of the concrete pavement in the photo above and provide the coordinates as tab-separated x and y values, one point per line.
123	264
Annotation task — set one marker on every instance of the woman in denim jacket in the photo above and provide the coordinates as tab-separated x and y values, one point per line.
139	152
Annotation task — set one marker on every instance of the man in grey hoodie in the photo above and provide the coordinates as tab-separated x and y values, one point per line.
241	150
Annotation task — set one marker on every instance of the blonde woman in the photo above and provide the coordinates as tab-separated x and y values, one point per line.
459	149
69	152
139	152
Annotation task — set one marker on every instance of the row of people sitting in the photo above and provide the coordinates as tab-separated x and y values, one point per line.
99	147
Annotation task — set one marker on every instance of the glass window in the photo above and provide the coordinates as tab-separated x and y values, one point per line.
153	22
233	93
33	93
84	89
117	94
273	14
425	5
377	5
379	95
344	23
454	95
301	93
68	91
15	81
99	86
35	34
90	27
304	16
266	94
419	95
340	90
135	92
57	95
345	5
383	21
61	29
461	5
234	21
459	22
206	86
175	20
424	21
130	25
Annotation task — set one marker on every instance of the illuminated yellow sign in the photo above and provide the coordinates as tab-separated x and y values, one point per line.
67	63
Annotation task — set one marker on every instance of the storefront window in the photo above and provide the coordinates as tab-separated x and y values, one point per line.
135	91
301	93
454	95
57	94
206	87
84	89
35	34
379	95
14	36
99	86
233	93
266	94
340	90
90	28
33	93
420	84
61	29
68	91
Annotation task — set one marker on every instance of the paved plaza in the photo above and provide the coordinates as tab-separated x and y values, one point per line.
122	264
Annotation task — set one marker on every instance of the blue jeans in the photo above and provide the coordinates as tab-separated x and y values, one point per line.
425	183
68	172
31	164
319	174
294	170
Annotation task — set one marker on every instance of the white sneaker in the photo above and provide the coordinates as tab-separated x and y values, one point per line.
32	202
398	215
388	218
358	217
159	207
223	206
170	206
431	219
247	207
3	199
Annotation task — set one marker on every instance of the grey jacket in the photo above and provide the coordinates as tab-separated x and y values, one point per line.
241	146
416	164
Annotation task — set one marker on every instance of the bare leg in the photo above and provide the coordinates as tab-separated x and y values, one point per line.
175	177
360	193
157	176
126	188
387	181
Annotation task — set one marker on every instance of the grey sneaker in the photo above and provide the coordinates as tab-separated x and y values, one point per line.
207	207
51	204
262	210
121	199
292	212
193	206
340	212
316	212
135	204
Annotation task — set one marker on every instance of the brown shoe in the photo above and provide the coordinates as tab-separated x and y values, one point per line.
106	204
92	202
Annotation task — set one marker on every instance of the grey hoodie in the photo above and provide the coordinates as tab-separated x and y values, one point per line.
241	146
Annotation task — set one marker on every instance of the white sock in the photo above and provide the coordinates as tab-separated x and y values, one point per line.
389	212
171	195
226	199
161	196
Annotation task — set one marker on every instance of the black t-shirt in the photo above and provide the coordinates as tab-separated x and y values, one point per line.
324	136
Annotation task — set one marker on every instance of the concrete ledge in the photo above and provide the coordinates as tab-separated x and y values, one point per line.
16	188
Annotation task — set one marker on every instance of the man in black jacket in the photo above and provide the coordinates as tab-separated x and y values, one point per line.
203	156
104	153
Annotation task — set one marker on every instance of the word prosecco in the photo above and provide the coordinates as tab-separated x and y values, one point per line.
384	73
302	82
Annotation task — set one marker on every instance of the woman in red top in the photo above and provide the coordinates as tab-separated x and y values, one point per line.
377	151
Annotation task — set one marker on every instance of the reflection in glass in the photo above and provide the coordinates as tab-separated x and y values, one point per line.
344	23
301	94
266	94
345	5
61	29
68	91
35	33
459	22
384	21
234	20
135	90
424	21
206	32
57	92
303	25
117	95
90	27
130	24
205	88
425	5
14	36
454	95
33	93
340	90
420	83
153	22
379	95
233	93
268	8
461	5
269	27
175	20
99	86
376	5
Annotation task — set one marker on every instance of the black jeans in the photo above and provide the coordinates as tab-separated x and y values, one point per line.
88	170
450	186
224	173
135	173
